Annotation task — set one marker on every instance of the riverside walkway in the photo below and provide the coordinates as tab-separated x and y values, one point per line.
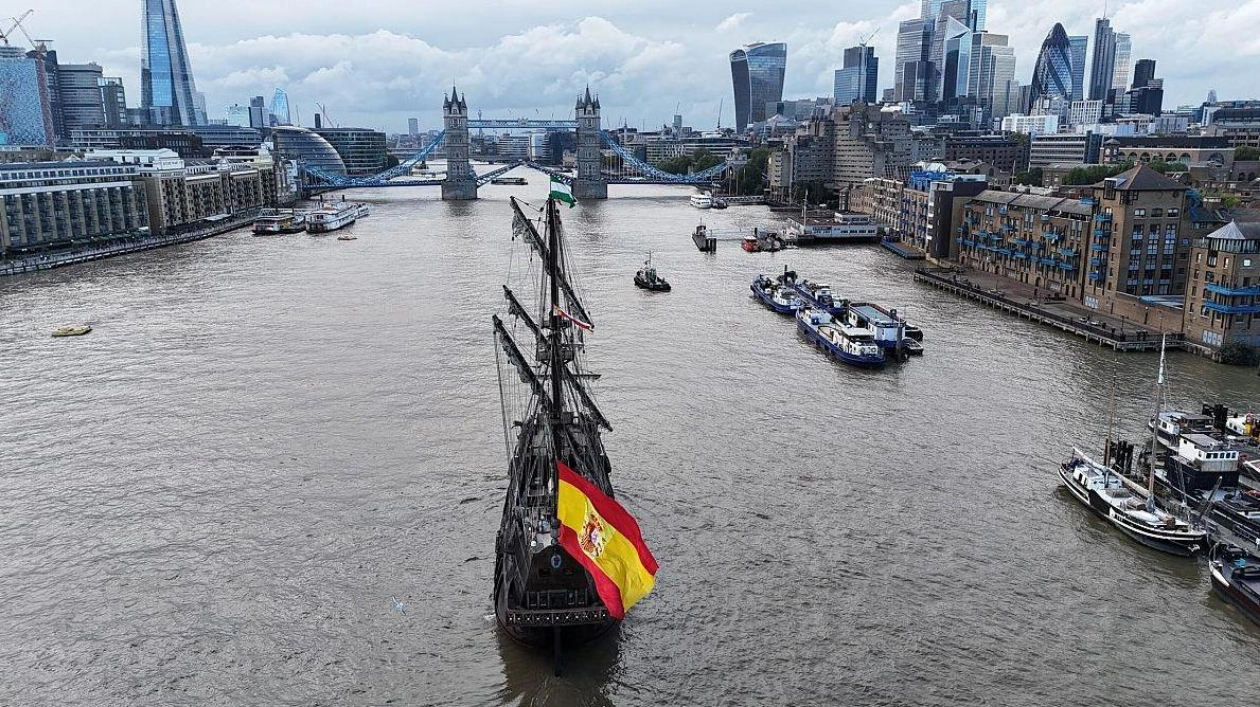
1028	303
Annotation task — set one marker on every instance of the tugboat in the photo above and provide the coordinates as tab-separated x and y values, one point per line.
647	278
855	347
775	296
1236	579
558	579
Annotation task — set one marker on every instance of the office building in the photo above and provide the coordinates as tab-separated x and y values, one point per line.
757	73
1190	149
1085	112
1223	290
364	151
113	101
1046	124
1147	95
1070	148
1003	153
413	127
1052	76
258	115
1123	59
1079	46
1102	69
1143	73
166	83
52	204
934	59
280	114
82	105
26	116
297	144
857	81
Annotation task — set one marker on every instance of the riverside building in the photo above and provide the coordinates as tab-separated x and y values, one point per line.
1223	293
48	205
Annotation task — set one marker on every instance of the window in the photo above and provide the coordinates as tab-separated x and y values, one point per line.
1246	262
1139	212
1174	213
1155	213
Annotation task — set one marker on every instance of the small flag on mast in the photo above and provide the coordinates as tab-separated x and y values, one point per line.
584	326
561	192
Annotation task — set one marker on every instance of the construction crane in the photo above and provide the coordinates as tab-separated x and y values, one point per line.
17	24
324	112
862	74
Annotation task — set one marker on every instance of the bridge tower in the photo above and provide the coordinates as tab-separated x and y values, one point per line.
589	183
460	184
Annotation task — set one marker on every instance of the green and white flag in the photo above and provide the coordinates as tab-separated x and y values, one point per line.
561	192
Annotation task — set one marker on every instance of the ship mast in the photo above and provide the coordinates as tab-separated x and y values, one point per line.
1159	391
557	341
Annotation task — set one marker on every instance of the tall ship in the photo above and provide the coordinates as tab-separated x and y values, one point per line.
274	222
569	561
335	215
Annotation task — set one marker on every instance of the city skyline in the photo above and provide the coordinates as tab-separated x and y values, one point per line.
529	60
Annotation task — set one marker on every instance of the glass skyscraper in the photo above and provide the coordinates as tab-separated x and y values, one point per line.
1053	73
25	114
1103	68
858	80
1080	44
1124	55
280	108
757	73
166	82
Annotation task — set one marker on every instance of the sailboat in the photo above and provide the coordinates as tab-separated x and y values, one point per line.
1127	506
554	577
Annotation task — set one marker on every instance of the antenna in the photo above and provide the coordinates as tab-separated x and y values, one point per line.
721	105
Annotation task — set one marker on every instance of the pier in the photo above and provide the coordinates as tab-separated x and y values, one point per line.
1065	316
120	246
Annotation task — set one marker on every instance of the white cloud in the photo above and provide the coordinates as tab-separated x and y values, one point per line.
733	22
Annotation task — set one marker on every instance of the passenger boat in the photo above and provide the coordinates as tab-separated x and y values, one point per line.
886	326
509	181
73	330
1236	579
774	295
273	222
647	278
702	201
1170	425
719	203
704	242
817	295
1123	504
334	216
544	591
763	241
852	346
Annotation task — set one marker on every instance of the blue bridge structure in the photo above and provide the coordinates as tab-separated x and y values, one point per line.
590	180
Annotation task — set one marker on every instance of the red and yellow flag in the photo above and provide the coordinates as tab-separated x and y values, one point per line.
597	532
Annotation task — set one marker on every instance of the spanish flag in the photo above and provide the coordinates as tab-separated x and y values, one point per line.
597	532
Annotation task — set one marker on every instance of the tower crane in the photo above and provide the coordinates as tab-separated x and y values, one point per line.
862	74
17	24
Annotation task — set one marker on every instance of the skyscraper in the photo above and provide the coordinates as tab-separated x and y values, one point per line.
1103	68
280	114
1053	73
25	113
858	80
258	115
912	67
1143	73
757	72
992	81
413	127
166	82
1124	54
113	101
81	103
1079	44
924	71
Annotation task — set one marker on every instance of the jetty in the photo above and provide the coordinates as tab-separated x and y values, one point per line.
1046	308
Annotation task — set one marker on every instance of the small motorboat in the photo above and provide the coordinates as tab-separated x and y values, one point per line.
75	330
647	278
718	203
911	346
1236	578
347	237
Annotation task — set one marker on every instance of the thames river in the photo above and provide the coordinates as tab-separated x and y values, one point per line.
273	474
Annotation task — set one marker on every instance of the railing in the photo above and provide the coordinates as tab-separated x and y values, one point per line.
1227	291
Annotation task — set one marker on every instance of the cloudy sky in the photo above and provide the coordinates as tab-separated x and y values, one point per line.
374	63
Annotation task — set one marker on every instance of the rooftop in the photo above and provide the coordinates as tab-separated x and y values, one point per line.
1143	178
1032	201
1235	231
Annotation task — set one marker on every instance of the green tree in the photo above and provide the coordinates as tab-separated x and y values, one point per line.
703	159
675	165
1246	153
1238	354
1094	173
1168	167
1033	177
750	181
390	161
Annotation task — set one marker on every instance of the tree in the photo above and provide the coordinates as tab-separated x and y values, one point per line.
751	180
390	161
1093	174
1246	153
703	159
1239	354
1033	177
1168	167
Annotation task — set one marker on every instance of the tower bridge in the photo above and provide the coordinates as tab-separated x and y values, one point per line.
589	180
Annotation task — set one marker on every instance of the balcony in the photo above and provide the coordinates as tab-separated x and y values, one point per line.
1096	276
1067	266
1097	262
1100	247
1102	233
1232	309
1102	218
1233	291
1068	252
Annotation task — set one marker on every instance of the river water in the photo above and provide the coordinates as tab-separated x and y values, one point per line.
217	496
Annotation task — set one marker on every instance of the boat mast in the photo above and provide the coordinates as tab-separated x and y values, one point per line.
1159	390
557	341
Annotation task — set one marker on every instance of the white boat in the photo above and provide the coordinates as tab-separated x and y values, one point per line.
277	221
702	201
335	215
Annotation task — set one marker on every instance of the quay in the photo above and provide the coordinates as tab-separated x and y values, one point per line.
906	252
122	246
1095	328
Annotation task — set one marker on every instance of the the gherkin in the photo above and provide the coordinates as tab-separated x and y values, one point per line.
1053	73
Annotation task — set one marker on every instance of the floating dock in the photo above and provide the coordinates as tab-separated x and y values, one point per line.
904	251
